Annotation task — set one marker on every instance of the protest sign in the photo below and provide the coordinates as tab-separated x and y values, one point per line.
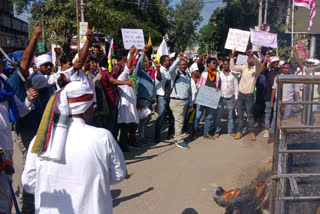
132	37
242	59
237	39
208	97
83	30
264	39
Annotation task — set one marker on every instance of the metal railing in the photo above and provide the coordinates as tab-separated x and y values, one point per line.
280	177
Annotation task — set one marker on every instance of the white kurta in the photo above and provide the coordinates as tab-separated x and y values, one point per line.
80	182
128	100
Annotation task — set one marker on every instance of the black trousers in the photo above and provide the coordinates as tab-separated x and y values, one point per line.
127	134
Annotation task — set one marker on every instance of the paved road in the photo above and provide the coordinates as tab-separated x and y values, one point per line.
164	179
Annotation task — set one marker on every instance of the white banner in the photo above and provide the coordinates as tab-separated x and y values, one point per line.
237	39
264	39
133	37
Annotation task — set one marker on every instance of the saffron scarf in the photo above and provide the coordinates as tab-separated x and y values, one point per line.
211	74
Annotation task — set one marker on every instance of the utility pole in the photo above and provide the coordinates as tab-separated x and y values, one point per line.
260	14
313	44
207	48
266	12
82	11
77	14
42	25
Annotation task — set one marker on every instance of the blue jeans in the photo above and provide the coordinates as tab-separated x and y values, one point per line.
163	107
245	103
144	122
228	103
267	116
208	118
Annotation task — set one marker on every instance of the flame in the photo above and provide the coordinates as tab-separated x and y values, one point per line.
260	188
228	195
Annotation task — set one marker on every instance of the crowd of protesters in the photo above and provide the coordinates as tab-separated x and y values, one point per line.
124	99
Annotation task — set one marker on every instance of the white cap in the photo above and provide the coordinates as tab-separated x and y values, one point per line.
43	59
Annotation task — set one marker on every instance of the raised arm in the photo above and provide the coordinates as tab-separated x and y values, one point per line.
29	52
138	70
158	76
232	64
264	63
85	49
130	60
175	64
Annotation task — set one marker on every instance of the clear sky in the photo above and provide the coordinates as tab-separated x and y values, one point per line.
209	7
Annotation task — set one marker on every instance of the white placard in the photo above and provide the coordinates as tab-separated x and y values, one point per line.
208	97
133	37
83	28
237	39
242	59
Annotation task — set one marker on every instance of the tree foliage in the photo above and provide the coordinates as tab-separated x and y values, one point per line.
184	21
243	14
108	17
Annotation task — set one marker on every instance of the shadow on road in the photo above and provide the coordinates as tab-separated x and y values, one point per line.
189	211
116	193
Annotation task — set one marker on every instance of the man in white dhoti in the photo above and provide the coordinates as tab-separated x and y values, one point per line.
71	170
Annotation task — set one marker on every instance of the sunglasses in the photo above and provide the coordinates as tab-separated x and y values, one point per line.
47	64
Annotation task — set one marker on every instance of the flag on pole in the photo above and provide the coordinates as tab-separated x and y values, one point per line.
309	4
110	54
163	50
150	42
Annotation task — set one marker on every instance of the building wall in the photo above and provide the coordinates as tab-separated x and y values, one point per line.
13	31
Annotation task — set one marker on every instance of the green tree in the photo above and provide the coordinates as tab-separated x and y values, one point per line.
184	20
108	17
243	15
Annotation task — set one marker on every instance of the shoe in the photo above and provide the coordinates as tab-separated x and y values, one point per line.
231	134
209	137
266	133
182	145
217	134
238	136
135	146
252	136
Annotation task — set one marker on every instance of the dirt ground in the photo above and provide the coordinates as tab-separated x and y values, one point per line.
164	179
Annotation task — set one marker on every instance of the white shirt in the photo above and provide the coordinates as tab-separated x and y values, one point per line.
194	90
128	100
80	182
5	124
165	76
160	85
229	85
288	90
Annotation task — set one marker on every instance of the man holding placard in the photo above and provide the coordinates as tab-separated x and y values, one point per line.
249	75
209	79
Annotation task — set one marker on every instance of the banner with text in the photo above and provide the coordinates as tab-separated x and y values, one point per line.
133	37
264	39
208	97
237	39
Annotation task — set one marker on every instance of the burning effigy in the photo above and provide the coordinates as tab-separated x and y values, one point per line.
252	199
